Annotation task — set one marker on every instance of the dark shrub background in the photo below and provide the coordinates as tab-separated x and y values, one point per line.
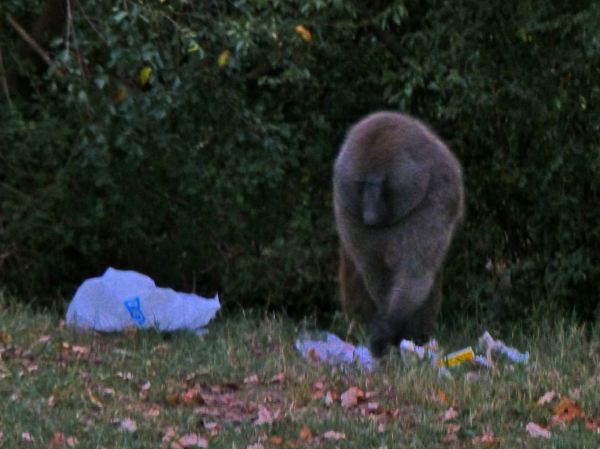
215	174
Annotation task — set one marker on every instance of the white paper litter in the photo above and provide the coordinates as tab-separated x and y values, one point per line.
122	299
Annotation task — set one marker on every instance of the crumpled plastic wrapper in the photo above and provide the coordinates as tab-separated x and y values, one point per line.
120	299
329	348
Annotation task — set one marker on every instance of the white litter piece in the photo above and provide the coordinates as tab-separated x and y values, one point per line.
329	348
123	299
490	345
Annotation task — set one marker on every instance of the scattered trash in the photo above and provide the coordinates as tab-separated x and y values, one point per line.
456	357
486	342
123	299
331	349
498	346
327	347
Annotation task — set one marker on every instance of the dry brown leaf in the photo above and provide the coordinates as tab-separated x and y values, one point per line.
125	375
440	395
58	440
305	433
453	428
536	431
373	407
329	399
487	437
546	398
173	398
128	424
351	397
169	435
193	396
264	416
275	440
152	412
333	435
107	391
449	414
81	350
94	399
278	378
44	339
252	379
593	425
192	440
566	411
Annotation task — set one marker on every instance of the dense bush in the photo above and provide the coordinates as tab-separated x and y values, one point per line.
193	141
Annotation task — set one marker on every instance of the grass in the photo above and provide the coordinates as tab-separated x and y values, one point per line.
244	385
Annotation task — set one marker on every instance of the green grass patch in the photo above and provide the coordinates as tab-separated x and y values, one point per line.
244	385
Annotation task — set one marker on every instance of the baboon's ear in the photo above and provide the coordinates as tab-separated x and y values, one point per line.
410	183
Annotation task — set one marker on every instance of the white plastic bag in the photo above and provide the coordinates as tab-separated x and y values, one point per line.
121	299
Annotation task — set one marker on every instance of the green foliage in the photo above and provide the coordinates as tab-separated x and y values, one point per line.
214	172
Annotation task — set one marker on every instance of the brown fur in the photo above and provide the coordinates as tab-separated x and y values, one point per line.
398	198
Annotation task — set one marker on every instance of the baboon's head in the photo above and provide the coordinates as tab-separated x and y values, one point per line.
380	174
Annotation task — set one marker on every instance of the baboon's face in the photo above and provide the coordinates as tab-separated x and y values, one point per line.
376	185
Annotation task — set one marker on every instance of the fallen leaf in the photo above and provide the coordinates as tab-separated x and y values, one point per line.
486	438
252	379
593	425
351	397
329	399
546	398
333	435
128	424
193	396
264	416
441	396
173	398
305	433
449	414
81	350
275	440
26	436
566	411
453	428
125	375
278	378
72	441
536	431
58	440
152	412
192	440
373	407
44	339
94	399
169	435
107	391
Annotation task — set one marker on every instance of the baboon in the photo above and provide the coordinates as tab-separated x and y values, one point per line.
398	198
